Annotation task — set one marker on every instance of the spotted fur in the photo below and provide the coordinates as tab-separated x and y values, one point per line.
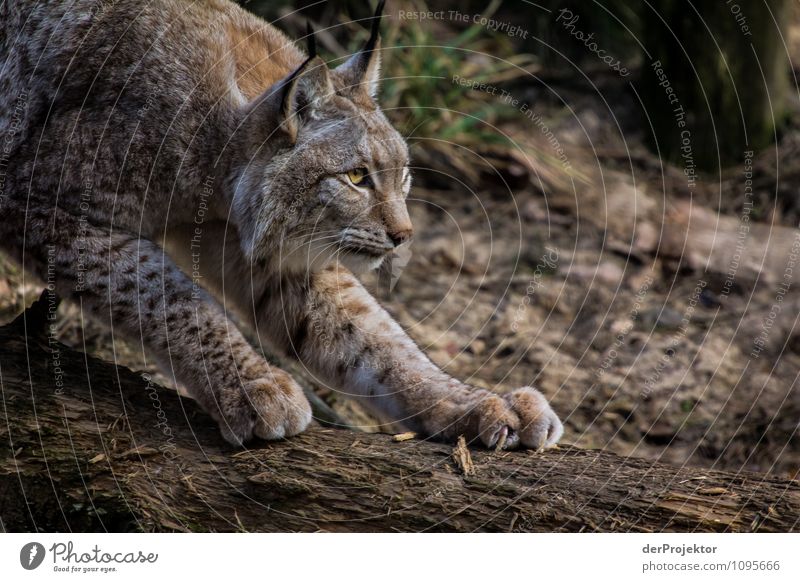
176	166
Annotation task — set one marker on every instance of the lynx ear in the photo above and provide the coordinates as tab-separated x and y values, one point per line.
361	72
296	97
303	94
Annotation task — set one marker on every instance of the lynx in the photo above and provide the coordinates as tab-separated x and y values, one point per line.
180	168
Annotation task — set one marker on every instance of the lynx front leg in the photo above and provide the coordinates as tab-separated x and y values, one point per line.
133	285
341	334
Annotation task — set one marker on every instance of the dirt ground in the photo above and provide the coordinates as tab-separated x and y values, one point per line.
562	275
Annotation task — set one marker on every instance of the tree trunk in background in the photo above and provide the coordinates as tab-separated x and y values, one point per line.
88	446
730	78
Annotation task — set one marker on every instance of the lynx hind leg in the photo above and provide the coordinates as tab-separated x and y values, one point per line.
135	284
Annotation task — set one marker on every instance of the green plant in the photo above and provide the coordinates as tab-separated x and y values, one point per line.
444	121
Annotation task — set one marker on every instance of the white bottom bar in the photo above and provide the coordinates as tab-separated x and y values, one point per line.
401	557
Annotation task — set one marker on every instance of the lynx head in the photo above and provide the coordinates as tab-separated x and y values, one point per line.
336	183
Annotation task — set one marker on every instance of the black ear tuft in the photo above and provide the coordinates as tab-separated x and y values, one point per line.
361	72
311	40
376	28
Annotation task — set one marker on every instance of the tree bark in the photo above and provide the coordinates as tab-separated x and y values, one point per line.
89	446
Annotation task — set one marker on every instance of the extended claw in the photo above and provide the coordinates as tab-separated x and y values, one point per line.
505	439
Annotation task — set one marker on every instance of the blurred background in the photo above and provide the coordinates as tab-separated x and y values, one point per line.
606	206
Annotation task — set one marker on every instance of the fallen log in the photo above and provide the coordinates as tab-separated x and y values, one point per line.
89	446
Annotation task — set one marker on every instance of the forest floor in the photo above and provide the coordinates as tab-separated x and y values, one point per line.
579	282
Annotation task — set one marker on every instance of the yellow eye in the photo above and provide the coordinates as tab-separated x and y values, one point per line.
358	176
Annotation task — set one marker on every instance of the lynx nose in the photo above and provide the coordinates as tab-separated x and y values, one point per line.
401	236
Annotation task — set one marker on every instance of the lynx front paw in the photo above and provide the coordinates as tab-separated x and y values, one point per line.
270	408
539	427
522	417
